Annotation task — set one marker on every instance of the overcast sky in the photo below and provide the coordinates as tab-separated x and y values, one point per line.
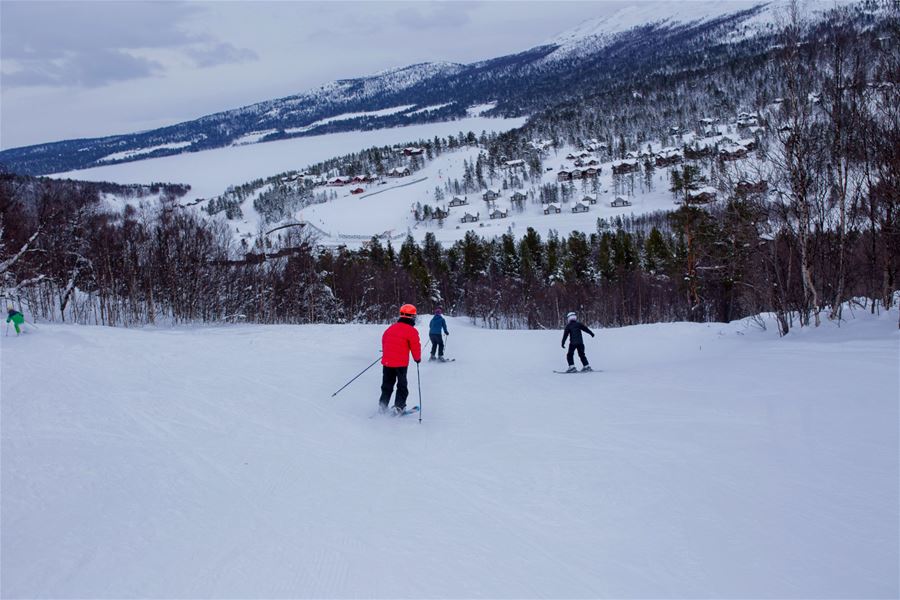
86	69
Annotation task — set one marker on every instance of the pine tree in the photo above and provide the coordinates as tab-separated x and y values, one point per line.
656	253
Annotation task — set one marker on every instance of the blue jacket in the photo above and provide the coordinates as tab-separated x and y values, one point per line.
437	324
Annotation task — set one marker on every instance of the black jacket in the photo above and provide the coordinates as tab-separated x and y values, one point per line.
573	332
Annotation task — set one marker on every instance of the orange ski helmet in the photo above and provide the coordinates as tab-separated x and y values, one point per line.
407	310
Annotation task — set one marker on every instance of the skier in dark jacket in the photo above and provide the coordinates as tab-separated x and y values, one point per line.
576	342
399	341
17	319
437	325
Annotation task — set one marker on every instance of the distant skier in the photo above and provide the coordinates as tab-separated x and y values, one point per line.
437	325
573	333
16	317
398	341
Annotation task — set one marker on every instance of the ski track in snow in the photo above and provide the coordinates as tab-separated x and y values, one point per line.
705	460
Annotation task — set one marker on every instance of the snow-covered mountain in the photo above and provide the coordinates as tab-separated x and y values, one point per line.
581	61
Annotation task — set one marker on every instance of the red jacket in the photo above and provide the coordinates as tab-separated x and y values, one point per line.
397	342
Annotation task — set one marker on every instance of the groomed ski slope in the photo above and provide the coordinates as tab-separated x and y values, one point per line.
704	461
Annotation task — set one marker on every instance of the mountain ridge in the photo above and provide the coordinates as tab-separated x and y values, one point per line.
519	84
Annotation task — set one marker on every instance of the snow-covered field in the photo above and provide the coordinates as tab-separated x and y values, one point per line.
703	461
210	172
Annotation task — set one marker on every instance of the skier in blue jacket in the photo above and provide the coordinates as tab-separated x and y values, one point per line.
437	325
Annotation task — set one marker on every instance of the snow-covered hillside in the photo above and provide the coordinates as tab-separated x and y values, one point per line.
565	68
210	172
594	34
387	207
703	461
353	219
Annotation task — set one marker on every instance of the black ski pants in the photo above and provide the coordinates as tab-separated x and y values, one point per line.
390	376
437	343
570	355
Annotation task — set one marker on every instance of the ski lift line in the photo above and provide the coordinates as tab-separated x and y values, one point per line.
285	227
393	188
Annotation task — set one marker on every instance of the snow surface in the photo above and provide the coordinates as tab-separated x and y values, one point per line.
253	137
209	173
429	108
347	116
706	460
594	34
476	110
140	151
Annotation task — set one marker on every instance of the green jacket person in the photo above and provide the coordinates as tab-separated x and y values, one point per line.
16	317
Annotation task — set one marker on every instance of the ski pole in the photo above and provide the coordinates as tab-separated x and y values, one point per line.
419	382
357	377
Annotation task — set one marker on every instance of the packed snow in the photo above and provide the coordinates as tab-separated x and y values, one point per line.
705	460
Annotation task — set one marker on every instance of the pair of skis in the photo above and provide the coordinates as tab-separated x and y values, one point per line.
392	413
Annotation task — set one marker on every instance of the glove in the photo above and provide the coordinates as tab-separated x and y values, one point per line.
418	361
563	345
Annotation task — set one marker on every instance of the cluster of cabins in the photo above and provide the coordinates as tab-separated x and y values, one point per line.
590	172
587	166
540	146
737	150
703	195
549	208
342	180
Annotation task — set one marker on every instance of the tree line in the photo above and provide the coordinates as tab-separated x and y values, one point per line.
66	256
809	225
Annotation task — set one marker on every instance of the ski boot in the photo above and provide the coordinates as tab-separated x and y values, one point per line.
586	369
572	369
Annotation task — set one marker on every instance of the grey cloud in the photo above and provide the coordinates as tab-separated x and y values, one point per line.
220	54
90	69
441	15
51	30
92	44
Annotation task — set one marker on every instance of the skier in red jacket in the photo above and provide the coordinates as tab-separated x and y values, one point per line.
398	341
